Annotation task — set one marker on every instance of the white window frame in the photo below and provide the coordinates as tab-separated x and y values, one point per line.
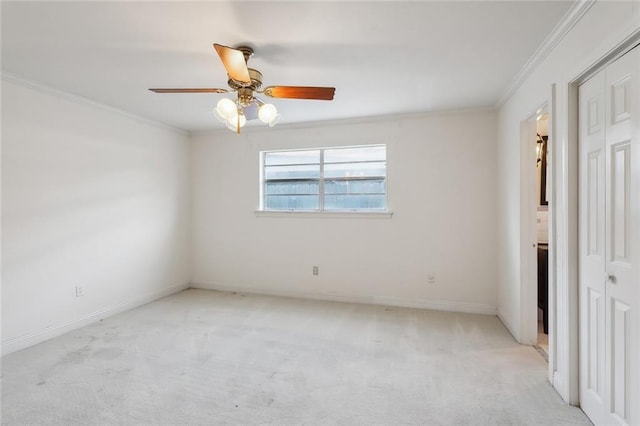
320	212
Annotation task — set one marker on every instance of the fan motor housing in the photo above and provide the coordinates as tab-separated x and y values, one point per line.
256	81
245	96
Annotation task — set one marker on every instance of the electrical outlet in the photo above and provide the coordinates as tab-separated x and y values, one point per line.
316	270
431	278
79	291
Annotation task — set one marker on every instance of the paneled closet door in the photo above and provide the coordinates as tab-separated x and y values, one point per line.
609	273
591	276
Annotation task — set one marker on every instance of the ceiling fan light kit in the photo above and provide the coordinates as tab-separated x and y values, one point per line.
225	109
236	122
268	114
246	82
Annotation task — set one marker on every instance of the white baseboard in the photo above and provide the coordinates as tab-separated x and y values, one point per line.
507	325
42	335
437	305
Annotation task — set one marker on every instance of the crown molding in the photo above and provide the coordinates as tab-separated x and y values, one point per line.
568	21
78	99
369	119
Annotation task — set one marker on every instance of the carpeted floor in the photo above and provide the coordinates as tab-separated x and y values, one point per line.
204	357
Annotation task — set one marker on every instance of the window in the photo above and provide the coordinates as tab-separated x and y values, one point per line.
328	179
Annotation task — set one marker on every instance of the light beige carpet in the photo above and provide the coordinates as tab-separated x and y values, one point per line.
203	358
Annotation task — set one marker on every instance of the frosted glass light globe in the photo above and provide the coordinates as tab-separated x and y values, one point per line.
232	122
267	113
274	120
225	109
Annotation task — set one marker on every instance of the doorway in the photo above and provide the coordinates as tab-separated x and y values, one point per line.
542	233
536	178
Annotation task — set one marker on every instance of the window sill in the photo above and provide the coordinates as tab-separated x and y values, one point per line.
332	214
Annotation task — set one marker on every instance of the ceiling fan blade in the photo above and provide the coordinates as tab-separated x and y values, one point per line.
189	90
234	62
301	92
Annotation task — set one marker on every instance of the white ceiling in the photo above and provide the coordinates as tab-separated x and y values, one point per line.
382	57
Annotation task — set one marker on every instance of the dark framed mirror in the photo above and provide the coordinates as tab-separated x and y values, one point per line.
542	164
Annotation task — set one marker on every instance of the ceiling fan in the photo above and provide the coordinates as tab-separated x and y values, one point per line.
246	82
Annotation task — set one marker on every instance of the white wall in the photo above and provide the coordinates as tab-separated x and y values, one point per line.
441	185
603	27
90	197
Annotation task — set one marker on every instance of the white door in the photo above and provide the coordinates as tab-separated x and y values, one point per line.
592	246
609	271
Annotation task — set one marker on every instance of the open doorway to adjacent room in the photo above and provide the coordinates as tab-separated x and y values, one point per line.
542	231
534	231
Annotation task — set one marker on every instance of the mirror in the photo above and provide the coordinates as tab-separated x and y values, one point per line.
541	150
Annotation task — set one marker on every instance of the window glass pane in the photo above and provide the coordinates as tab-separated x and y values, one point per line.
292	187
354	202
292	157
352	178
292	172
366	153
288	202
366	186
355	170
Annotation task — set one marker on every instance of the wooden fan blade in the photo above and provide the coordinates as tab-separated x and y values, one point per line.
301	92
189	90
233	61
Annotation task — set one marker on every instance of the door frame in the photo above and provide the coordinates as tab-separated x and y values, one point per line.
528	226
528	231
